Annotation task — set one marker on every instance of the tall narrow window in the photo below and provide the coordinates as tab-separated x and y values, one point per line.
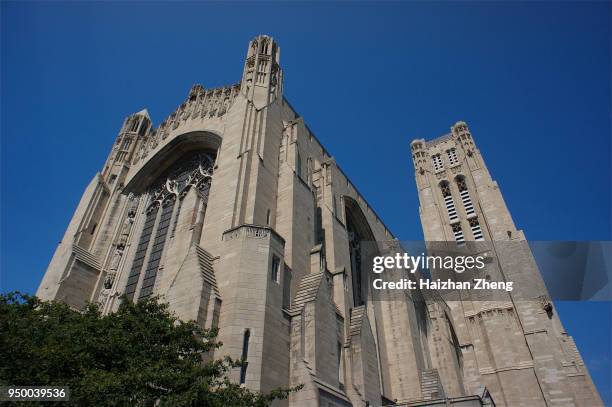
319	231
448	202
335	208
156	252
141	251
245	354
459	238
268	217
298	164
437	162
452	156
143	127
286	287
476	230
127	141
309	171
135	124
275	269
340	367
465	197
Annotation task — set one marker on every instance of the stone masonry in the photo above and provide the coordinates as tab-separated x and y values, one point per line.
513	344
234	212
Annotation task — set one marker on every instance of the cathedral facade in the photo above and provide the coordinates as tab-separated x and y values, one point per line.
235	214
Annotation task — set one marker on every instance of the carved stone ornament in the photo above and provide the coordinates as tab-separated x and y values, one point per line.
196	172
456	169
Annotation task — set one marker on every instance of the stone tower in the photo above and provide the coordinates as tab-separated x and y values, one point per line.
513	343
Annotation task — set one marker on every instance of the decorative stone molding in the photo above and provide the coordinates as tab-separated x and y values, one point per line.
195	172
252	231
200	104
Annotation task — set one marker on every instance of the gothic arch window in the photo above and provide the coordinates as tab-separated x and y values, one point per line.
264	46
448	201
192	171
465	196
360	239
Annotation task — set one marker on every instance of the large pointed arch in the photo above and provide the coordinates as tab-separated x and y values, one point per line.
203	141
362	245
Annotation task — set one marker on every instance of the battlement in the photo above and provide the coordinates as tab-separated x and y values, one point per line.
439	140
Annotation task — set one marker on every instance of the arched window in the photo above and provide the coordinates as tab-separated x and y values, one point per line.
191	171
465	196
448	201
359	234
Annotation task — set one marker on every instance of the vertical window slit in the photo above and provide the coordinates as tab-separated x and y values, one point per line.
275	275
245	354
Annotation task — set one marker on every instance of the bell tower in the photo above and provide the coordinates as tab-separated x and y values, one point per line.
519	331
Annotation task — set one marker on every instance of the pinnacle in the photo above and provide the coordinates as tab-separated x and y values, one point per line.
143	112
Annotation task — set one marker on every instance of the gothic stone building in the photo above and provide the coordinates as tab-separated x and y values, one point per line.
233	212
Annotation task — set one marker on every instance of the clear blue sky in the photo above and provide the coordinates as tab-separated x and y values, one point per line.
531	79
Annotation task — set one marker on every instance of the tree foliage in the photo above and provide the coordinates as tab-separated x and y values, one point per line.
142	355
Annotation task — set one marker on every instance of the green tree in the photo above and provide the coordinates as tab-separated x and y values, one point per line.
140	355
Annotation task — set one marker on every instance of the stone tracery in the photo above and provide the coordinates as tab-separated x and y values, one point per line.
194	172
